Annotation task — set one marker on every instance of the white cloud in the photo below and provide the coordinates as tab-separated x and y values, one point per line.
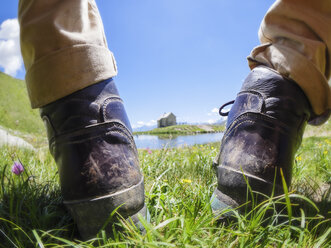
213	112
211	121
214	116
10	52
142	123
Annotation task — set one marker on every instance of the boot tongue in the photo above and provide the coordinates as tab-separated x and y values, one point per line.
245	102
283	98
113	111
85	107
271	84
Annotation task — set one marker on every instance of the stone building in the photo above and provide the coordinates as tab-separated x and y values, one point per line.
168	119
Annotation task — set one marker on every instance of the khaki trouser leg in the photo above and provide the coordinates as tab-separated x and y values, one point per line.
64	48
296	42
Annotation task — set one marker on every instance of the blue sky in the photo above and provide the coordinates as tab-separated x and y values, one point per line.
182	56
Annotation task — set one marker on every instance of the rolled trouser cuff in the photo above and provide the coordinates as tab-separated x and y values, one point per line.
68	70
291	64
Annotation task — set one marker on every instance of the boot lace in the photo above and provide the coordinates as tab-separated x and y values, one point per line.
223	106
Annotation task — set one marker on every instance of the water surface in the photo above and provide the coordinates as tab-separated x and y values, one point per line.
158	142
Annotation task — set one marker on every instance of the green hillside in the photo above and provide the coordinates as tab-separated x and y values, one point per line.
185	129
15	110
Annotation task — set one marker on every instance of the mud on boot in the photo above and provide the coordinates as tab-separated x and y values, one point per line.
263	132
90	138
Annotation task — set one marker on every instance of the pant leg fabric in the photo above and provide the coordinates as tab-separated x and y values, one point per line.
63	47
295	40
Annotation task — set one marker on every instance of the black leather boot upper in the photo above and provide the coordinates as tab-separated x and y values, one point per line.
90	139
264	130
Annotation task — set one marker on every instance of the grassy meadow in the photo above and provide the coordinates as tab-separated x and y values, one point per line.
15	109
178	184
185	129
16	115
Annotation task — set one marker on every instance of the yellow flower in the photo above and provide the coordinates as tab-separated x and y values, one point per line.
319	145
186	181
298	158
328	142
325	152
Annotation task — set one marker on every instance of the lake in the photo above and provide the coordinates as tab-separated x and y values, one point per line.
158	142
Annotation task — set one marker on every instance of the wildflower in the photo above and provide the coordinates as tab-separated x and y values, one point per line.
149	150
186	181
17	168
325	152
298	158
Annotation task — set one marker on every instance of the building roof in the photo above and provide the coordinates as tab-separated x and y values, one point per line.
166	115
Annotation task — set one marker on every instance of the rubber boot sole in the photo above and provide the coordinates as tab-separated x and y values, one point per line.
94	214
222	205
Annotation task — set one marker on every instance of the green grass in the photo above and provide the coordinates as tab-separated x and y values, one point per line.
179	183
15	109
16	115
185	129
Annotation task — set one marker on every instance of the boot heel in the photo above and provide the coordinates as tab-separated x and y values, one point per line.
92	214
220	203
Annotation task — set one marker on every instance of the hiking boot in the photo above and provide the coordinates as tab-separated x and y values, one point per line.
263	132
90	138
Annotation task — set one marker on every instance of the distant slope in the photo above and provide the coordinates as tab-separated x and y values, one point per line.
185	129
15	110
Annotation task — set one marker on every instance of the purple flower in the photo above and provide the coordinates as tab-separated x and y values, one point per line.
17	168
149	150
